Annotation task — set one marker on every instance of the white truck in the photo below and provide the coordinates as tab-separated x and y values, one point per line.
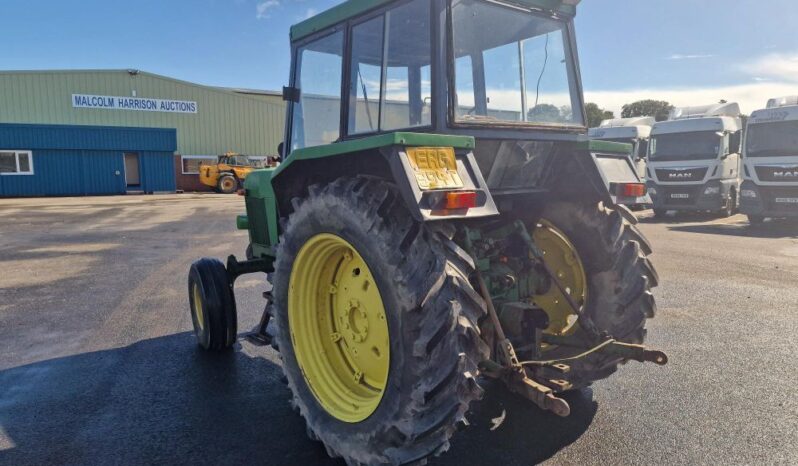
770	162
634	131
694	160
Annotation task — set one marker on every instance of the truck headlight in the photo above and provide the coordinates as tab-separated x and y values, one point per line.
749	193
652	191
712	190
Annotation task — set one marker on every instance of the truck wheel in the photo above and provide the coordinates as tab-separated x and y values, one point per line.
610	256
376	324
660	213
731	205
227	184
756	219
213	305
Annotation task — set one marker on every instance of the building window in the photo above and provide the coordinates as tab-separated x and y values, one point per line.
191	163
16	162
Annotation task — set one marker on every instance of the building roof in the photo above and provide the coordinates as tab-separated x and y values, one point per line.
136	72
354	8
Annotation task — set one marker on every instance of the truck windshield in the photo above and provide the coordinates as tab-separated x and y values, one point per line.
772	139
699	145
512	66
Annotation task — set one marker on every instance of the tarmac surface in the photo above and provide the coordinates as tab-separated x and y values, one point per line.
98	364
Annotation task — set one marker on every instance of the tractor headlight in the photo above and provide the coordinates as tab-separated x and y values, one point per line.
712	190
748	193
652	191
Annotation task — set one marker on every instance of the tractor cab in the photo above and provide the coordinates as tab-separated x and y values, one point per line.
502	73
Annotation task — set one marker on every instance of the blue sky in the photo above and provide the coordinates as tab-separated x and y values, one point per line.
685	51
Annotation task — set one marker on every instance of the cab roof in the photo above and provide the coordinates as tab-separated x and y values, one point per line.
354	8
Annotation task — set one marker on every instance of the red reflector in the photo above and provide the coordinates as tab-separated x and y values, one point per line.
241	192
632	189
461	200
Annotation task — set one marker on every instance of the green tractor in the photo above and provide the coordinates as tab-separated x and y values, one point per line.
440	218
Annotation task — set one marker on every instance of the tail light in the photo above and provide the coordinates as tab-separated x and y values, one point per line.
631	189
461	200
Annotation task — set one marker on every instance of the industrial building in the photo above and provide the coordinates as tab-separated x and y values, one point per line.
123	131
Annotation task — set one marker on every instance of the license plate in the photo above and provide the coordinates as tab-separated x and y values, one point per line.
434	167
680	196
787	200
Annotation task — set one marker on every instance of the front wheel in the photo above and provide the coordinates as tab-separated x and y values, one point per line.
660	213
213	305
731	205
601	248
227	184
756	219
377	324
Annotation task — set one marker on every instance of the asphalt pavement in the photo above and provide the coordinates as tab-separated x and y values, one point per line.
98	364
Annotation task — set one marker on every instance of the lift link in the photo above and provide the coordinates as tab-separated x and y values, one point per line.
512	373
625	350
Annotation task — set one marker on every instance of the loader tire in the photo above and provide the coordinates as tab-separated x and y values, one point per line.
620	276
228	184
430	310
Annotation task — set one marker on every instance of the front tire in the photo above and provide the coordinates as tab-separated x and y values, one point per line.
614	254
756	219
430	310
212	304
227	184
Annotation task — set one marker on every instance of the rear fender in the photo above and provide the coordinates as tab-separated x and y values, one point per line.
593	173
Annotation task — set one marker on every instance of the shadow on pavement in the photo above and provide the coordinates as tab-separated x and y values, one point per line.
527	435
159	401
771	229
164	401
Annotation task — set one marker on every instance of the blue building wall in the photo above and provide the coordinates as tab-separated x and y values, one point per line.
84	160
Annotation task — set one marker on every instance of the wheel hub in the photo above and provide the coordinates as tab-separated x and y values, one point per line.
561	256
338	328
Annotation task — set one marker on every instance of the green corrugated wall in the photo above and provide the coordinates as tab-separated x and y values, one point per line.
225	121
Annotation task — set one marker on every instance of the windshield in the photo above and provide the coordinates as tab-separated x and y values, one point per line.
512	66
772	139
700	145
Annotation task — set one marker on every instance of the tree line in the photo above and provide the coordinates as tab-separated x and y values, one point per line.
659	109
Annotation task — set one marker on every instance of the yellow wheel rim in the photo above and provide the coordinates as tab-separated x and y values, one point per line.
198	312
338	328
561	257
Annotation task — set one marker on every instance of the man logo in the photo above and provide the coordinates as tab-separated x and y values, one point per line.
680	176
793	174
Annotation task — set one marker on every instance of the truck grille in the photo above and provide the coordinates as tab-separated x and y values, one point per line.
781	173
681	174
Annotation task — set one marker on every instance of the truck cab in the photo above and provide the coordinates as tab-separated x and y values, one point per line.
770	162
694	160
635	131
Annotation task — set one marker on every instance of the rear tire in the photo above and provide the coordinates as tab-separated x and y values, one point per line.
432	314
212	304
660	213
227	184
619	275
756	219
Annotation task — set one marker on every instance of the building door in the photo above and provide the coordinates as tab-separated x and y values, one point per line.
132	175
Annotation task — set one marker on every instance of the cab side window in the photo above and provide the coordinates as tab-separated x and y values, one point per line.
316	116
390	70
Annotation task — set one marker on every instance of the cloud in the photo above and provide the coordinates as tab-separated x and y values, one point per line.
773	66
770	75
679	56
751	96
263	7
